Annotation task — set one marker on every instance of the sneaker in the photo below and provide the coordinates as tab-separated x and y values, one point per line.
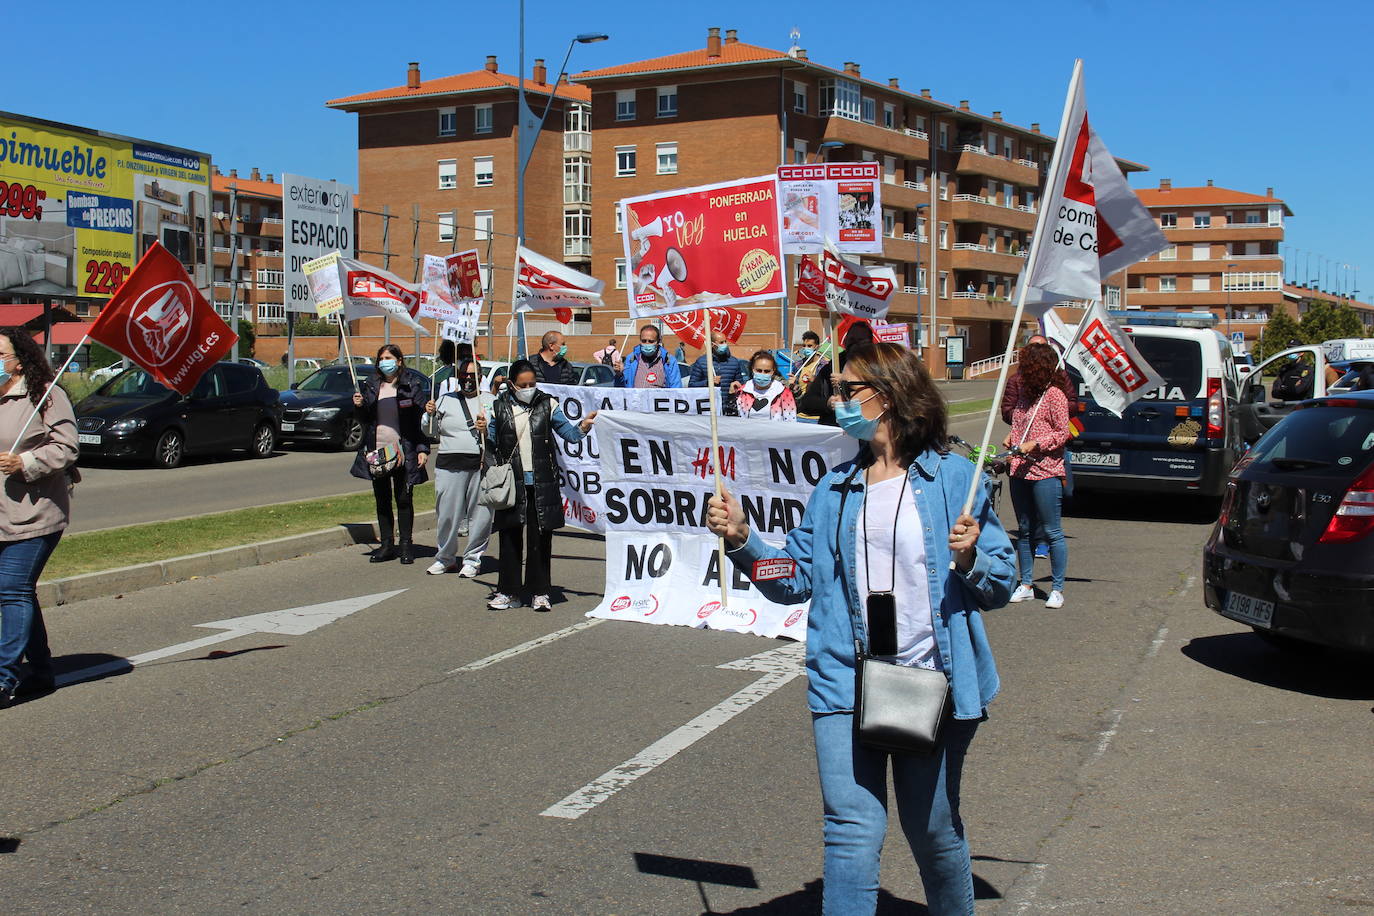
36	685
1022	593
6	697
541	603
1042	552
1055	600
462	532
438	568
468	571
500	602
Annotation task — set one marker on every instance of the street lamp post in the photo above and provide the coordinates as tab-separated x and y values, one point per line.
1227	284
526	146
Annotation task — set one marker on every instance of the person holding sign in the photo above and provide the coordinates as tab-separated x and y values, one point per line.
763	395
649	365
394	450
523	422
890	564
39	430
458	473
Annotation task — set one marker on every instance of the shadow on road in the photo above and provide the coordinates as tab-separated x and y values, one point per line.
1316	672
9	844
1144	507
190	461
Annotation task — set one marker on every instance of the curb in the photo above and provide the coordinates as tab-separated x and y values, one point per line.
127	579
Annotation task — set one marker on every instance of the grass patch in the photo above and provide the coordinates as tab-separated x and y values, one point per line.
100	550
970	407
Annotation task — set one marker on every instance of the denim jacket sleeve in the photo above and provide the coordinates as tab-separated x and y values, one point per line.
793	589
990	578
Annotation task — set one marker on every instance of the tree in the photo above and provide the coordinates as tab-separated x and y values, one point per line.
248	338
1279	333
1325	320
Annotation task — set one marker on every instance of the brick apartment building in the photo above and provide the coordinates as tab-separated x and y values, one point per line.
258	221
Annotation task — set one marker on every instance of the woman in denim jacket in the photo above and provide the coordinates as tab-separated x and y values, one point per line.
890	521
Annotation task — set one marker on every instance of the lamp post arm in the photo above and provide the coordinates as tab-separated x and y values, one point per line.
548	106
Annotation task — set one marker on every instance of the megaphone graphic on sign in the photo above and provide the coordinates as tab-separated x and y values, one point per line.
655	228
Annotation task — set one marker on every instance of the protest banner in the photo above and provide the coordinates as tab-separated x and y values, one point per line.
892	333
690	326
543	283
325	286
1106	359
436	296
707	246
840	201
340	284
160	320
662	566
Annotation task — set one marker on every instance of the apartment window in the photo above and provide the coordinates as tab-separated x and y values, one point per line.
1168	284
944	285
799	152
667	101
944	136
448	122
268	279
1008	198
1202	283
578	119
867	155
482	222
921	228
1202	220
920	174
481	119
921	123
625	105
1008	148
890	169
944	235
577	233
448	173
944	185
1202	251
867	106
624	161
1276	216
992	143
619	219
1252	217
577	180
1169	254
482	171
667	158
889	116
921	277
889	223
799	97
839	98
1168	220
446	226
619	273
1113	296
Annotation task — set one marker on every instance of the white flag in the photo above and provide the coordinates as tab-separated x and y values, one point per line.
1107	360
370	291
546	284
857	289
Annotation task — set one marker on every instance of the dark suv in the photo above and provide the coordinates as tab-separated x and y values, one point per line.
132	416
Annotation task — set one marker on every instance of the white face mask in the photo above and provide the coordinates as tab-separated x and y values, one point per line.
525	395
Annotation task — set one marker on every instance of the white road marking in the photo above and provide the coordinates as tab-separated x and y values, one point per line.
528	646
779	667
296	621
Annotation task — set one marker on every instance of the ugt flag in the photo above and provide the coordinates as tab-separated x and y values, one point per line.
543	283
1106	359
690	327
161	321
1093	224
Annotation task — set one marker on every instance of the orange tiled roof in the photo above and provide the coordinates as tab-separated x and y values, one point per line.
1201	197
731	52
476	81
246	186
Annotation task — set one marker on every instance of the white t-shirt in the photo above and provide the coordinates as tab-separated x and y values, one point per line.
915	630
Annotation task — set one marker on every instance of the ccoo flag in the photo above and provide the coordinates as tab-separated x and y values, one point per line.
160	320
1093	225
544	283
1105	358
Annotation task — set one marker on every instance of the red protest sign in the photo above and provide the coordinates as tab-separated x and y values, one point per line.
160	320
709	246
688	325
464	271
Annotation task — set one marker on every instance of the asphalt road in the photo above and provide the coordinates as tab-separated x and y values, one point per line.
112	494
1144	755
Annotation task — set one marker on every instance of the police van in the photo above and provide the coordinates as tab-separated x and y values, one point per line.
1182	437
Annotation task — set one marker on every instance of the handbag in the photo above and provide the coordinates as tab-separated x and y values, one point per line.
382	461
497	490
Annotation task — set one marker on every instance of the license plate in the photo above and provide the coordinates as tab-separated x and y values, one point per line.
87	439
1096	459
1249	609
288	427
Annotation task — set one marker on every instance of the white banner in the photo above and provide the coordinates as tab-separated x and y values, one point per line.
547	284
656	478
840	201
1109	363
317	218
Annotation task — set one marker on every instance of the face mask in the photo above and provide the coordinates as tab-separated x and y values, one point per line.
648	349
763	379
807	352
723	350
387	366
850	417
563	350
468	386
525	395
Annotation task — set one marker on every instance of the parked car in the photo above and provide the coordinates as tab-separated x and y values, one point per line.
105	373
256	363
133	416
1277	386
595	375
1351	371
320	407
1292	554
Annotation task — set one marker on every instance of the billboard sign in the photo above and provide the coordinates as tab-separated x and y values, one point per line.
317	218
839	203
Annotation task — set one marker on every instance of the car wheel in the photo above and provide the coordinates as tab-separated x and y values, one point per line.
353	436
264	441
170	449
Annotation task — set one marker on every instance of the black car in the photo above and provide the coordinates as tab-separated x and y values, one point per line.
133	416
320	407
1292	554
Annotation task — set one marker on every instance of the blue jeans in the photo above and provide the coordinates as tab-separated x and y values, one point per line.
1037	504
854	790
21	563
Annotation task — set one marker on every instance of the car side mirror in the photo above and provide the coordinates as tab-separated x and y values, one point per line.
589	382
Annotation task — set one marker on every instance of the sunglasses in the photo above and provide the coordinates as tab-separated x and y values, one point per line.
847	390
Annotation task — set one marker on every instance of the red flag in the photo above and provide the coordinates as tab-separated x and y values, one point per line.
810	283
843	329
563	315
160	320
688	325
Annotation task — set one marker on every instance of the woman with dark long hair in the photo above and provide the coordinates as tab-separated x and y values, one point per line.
394	450
886	558
39	429
1039	431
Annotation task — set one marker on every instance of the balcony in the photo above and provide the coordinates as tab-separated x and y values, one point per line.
903	197
577	142
974	208
870	136
1233	232
975	160
917	186
918	134
900	248
915	237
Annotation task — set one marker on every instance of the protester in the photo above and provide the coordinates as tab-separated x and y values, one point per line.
521	429
389	406
1011	393
889	523
648	366
34	507
817	400
1040	429
552	363
763	395
458	474
608	355
805	366
729	369
681	354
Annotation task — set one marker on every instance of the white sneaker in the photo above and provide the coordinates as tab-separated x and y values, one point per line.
1055	600
500	602
438	568
1022	593
541	603
468	571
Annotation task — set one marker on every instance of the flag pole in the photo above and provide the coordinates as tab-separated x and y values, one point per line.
514	294
343	334
46	394
713	393
1037	238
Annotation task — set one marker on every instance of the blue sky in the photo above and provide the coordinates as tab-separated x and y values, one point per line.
1251	95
